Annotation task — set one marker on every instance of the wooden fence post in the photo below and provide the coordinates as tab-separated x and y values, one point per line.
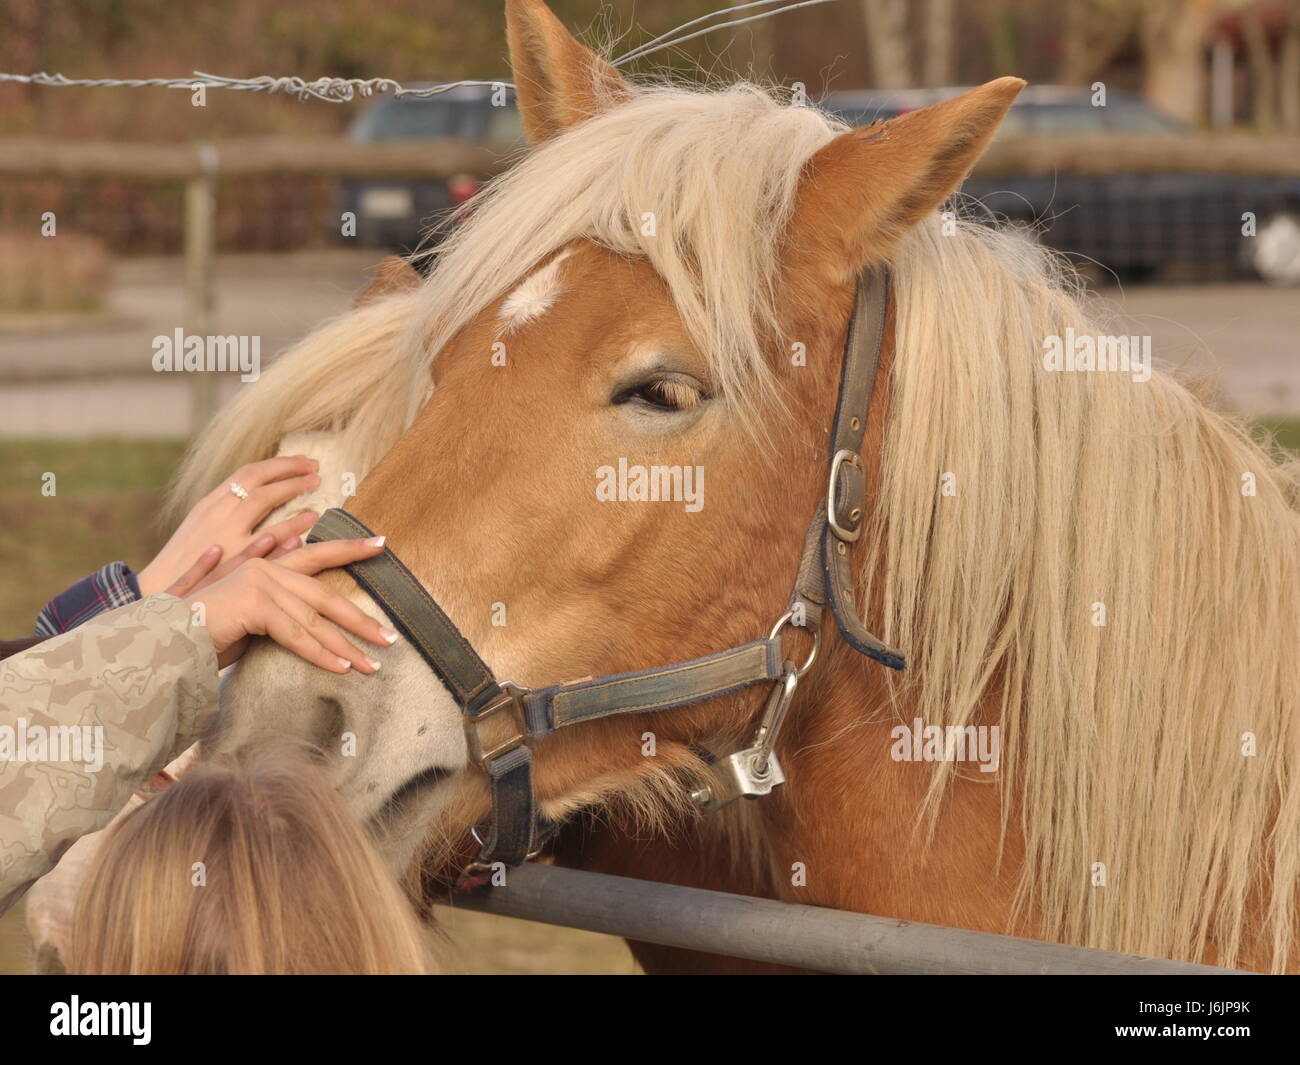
200	266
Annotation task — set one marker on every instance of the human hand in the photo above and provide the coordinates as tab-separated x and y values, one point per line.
224	520
283	600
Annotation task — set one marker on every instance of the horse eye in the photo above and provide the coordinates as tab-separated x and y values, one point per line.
663	393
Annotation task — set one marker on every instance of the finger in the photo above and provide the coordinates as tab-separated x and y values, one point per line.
203	565
339	609
256	474
258	547
294	526
291	544
322	631
261	501
287	532
313	558
292	635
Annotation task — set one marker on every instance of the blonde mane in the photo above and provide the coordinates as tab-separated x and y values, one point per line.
1075	493
1123	742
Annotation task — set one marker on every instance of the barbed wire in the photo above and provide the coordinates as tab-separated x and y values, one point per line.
344	90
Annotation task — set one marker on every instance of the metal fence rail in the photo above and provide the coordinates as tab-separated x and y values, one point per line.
806	937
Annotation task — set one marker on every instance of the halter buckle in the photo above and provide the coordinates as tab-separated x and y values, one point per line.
845	533
510	698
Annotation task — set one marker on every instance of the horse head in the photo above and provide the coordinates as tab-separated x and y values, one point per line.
633	350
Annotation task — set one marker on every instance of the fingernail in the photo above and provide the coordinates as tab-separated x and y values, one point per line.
344	663
390	637
292	543
374	664
376	541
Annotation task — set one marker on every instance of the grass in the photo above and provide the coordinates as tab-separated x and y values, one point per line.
1286	431
105	506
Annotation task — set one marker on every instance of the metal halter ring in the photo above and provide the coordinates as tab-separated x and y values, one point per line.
238	489
788	619
481	867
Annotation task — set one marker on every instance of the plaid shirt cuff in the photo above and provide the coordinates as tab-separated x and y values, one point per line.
113	586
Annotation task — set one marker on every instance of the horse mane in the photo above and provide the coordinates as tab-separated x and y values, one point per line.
1122	743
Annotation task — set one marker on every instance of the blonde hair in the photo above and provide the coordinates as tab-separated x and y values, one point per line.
1079	492
289	883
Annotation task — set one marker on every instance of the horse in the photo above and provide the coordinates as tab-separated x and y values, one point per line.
1094	567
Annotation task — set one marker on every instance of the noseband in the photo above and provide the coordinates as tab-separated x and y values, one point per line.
824	581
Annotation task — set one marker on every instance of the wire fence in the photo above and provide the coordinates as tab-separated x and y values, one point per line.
136	209
345	90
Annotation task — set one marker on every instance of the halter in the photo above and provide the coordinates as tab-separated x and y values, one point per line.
513	833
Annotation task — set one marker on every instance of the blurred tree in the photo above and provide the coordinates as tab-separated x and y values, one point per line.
1175	34
940	30
1263	71
1094	32
1003	37
889	43
21	30
1288	74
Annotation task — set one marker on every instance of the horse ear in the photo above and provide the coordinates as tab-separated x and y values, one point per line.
558	82
865	189
394	274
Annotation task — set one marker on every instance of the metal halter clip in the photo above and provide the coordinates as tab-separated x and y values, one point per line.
753	772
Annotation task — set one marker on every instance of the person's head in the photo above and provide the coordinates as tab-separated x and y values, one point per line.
249	869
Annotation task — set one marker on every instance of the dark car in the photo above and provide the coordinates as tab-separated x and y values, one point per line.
1132	224
394	213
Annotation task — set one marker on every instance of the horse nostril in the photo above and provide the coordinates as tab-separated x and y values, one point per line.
328	740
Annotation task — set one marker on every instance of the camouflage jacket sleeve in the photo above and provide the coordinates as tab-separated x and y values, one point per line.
88	716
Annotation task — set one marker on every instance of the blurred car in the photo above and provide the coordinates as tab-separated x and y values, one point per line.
1133	224
395	213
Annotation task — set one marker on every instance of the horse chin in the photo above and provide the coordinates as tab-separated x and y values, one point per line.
409	829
